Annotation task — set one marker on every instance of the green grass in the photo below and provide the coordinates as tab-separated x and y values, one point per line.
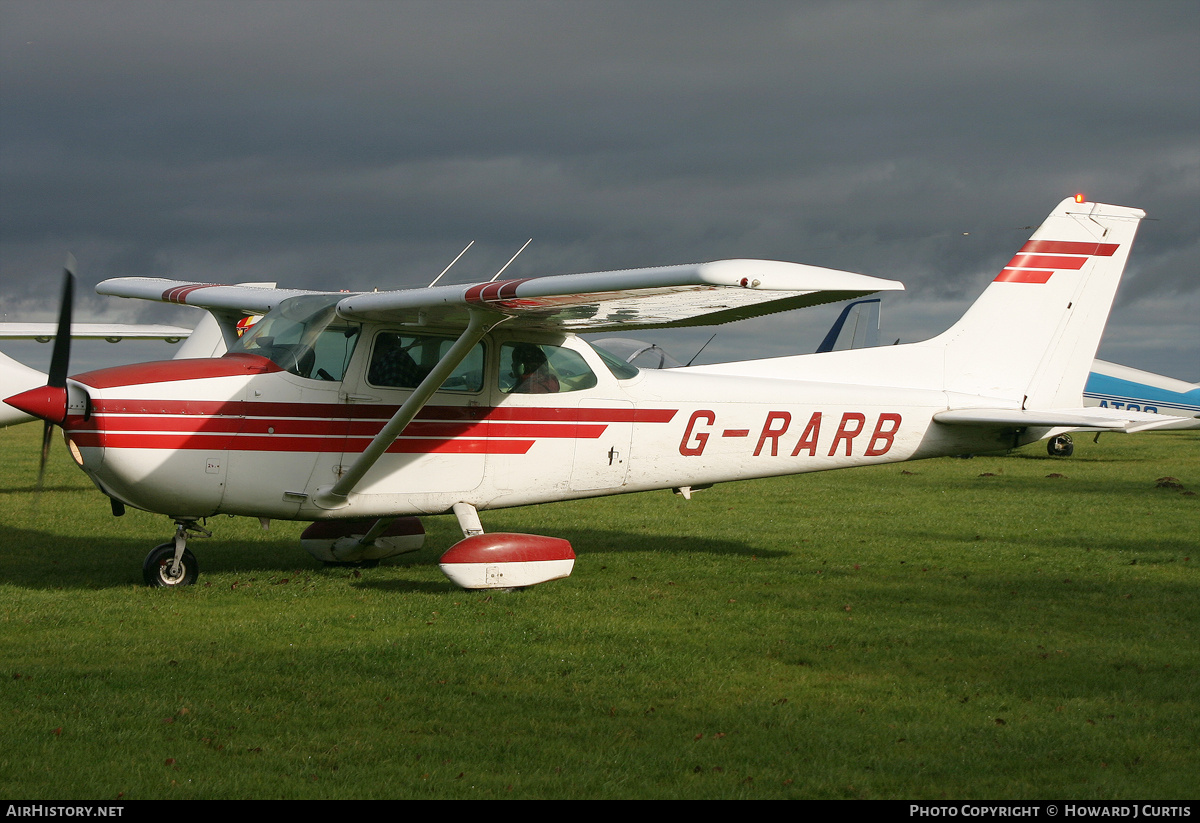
972	629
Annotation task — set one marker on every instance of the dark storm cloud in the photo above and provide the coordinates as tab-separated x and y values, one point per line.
355	145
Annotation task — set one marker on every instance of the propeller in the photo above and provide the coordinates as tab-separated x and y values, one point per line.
59	359
50	401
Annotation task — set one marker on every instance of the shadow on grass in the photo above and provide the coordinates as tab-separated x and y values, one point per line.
33	489
37	559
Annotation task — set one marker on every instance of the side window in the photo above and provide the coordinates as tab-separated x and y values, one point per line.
333	348
533	368
402	361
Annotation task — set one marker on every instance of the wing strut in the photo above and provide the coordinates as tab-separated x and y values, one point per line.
335	496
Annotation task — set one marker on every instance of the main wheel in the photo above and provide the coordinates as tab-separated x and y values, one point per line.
1060	446
156	570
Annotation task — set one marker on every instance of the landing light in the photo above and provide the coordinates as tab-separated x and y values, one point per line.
76	455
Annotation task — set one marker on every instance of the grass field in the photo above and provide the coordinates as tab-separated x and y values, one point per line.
1001	627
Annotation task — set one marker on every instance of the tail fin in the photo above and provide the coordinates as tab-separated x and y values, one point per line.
1032	335
862	332
1029	340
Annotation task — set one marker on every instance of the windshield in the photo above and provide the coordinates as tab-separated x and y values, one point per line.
304	336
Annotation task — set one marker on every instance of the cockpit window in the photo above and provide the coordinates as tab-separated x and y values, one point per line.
304	336
401	361
533	368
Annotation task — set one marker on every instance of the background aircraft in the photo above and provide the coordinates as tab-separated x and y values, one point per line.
205	340
1120	387
16	377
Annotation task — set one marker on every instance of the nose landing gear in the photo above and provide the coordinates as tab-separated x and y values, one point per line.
173	564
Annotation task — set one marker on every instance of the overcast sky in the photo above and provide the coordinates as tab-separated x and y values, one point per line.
357	145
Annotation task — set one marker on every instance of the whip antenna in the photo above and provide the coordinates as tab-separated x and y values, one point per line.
452	262
702	348
509	263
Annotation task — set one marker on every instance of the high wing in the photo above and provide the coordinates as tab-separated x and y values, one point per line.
699	294
689	295
245	299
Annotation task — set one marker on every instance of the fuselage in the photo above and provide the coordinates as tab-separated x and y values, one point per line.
250	435
1113	386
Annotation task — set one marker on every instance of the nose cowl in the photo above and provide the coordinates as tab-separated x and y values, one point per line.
45	402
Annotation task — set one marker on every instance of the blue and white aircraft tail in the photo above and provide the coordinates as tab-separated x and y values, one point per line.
1113	386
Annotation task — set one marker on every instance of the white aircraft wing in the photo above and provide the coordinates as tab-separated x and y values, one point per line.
111	332
692	295
247	299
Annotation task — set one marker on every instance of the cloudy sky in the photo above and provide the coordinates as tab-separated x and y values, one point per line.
357	145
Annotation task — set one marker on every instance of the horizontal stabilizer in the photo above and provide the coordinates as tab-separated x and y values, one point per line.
1081	418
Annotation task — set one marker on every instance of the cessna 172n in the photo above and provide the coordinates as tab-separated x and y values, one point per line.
361	411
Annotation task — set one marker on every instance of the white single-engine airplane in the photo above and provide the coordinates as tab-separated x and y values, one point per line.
359	411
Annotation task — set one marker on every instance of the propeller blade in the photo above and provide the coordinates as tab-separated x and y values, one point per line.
47	433
61	355
59	363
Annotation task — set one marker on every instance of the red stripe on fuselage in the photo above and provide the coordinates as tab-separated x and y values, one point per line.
346	411
329	427
171	371
269	443
195	424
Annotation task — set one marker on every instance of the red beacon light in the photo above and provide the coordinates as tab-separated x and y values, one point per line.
1079	198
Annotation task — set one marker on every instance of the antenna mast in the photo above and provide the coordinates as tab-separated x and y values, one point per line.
452	262
509	263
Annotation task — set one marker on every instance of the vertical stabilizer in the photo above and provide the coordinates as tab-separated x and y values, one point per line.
1032	335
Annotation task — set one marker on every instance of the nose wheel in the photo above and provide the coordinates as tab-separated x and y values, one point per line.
161	570
173	564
